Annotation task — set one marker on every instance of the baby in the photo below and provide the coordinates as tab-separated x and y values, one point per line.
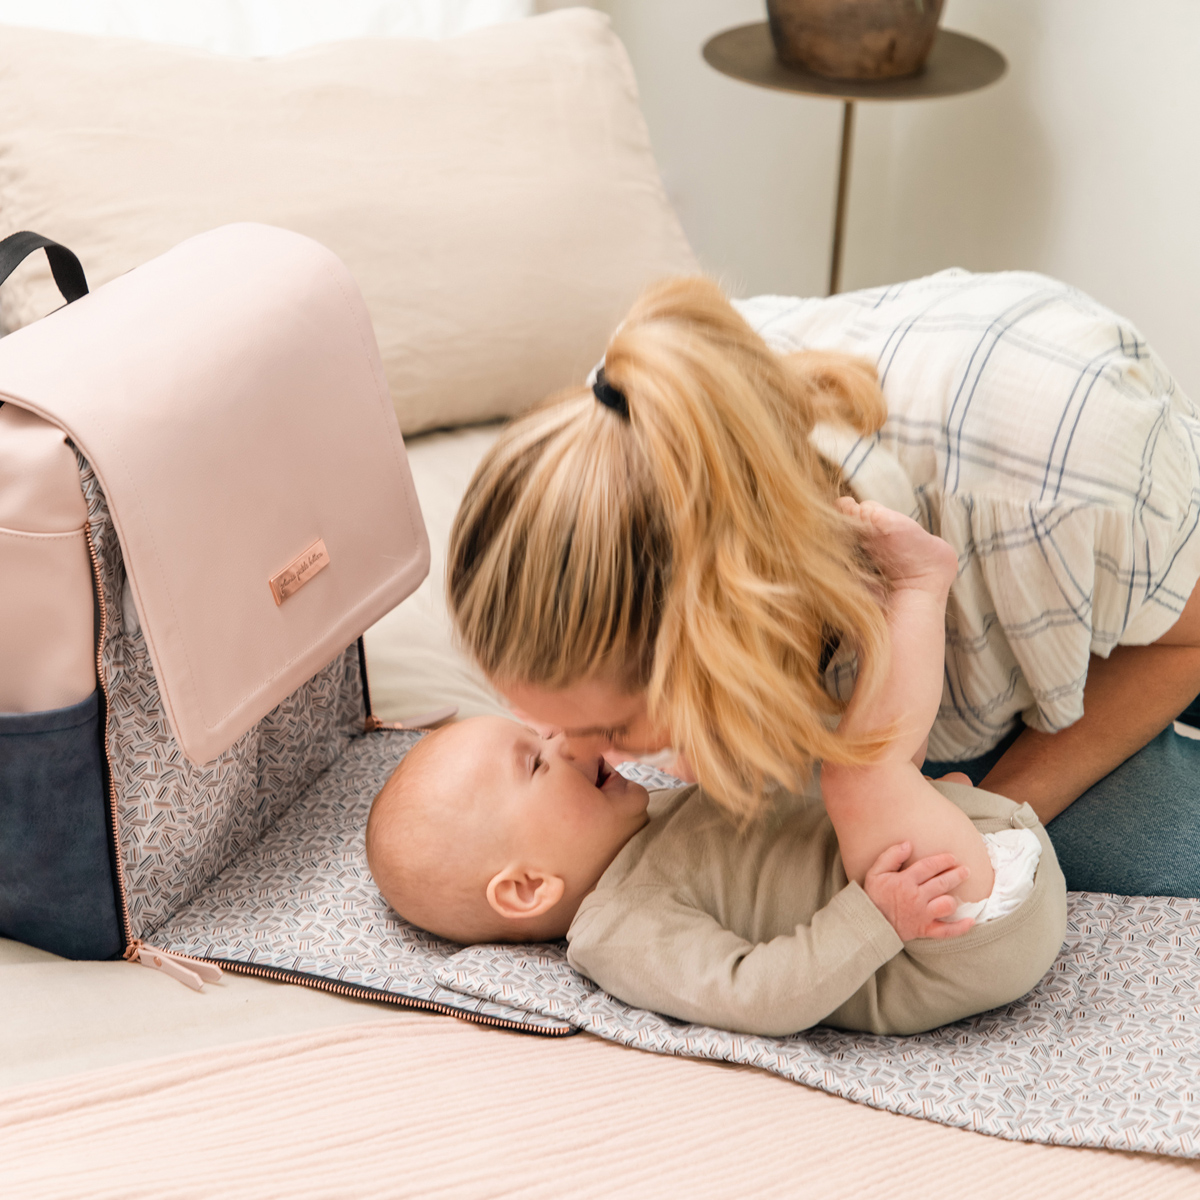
894	906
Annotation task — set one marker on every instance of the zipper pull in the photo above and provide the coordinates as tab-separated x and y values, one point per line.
422	721
187	970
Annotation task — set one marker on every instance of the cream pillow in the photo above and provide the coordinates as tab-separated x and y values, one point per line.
493	194
413	663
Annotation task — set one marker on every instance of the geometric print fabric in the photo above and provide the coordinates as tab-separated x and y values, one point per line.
302	900
1105	1051
180	823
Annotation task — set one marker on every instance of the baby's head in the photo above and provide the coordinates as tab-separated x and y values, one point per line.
486	832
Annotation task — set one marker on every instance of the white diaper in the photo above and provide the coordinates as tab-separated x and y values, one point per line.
1015	854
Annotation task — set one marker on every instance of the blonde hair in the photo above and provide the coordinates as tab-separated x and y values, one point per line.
692	550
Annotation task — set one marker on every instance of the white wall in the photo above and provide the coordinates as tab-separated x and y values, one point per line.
1083	162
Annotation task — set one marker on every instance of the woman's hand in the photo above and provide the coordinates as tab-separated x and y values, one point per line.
916	897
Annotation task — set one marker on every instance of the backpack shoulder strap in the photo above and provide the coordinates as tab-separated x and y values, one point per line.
64	266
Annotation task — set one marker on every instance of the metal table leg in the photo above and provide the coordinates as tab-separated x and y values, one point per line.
839	217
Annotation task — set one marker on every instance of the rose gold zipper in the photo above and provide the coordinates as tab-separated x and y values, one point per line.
139	951
114	828
356	991
135	946
191	972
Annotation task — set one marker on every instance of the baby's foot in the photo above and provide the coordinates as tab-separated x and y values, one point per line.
907	555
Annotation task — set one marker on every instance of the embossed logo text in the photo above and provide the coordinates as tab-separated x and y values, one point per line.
299	571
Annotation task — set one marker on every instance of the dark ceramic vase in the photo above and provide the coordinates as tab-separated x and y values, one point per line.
854	39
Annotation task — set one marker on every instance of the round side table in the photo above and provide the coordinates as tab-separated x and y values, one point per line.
957	64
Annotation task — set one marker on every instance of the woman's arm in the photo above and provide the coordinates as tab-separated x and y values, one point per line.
1129	698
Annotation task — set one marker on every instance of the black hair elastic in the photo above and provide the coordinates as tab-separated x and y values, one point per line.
610	396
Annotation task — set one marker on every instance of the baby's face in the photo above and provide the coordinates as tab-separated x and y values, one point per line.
489	831
557	812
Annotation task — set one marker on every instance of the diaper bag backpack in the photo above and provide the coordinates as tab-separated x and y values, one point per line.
204	502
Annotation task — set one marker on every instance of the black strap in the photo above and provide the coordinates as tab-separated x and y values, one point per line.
362	671
64	266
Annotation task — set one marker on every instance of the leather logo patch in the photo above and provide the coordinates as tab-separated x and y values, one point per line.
299	571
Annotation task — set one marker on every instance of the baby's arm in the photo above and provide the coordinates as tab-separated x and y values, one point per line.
889	802
920	569
652	949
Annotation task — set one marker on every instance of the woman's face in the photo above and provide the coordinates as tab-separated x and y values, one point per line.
595	716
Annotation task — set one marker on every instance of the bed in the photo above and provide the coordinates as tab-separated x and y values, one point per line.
117	1081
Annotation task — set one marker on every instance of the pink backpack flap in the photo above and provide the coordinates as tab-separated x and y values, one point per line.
230	397
203	451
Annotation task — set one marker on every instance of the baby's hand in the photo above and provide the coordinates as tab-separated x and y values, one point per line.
908	555
916	897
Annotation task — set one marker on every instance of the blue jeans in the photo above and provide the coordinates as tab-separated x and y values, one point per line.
1137	831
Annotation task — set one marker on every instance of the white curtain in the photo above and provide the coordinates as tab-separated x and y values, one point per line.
261	28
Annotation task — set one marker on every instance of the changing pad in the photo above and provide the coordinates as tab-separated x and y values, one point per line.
1104	1052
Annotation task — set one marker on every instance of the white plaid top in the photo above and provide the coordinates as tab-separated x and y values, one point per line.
1040	436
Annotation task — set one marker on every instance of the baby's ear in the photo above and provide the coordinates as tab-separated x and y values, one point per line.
518	893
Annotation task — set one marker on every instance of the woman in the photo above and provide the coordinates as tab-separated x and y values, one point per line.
659	560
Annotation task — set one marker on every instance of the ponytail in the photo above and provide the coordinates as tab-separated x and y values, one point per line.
691	549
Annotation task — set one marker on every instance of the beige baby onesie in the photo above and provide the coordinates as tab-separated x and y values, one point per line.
760	931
